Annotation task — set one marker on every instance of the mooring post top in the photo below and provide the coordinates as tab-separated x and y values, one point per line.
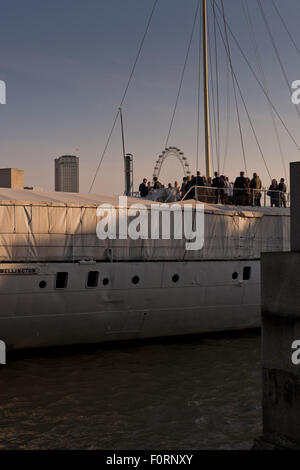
295	205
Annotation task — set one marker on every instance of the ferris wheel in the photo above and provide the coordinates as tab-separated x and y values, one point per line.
171	152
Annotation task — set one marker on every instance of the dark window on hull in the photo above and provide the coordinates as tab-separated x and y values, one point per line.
61	280
92	280
247	273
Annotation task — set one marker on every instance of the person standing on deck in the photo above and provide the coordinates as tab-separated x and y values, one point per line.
157	184
149	188
282	195
255	186
273	193
183	187
143	188
240	192
217	184
199	182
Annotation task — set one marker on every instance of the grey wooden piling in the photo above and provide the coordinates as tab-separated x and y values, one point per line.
280	277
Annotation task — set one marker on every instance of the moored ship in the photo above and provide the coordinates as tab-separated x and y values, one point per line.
60	284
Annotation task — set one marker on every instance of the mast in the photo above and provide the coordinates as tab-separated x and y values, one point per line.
206	97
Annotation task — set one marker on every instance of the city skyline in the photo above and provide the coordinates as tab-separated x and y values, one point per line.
64	89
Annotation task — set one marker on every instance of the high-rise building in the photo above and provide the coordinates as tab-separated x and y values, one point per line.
11	178
67	174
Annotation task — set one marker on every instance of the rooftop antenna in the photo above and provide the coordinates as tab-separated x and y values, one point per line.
122	130
128	162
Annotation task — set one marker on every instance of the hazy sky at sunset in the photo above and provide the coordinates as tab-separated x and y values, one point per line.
66	64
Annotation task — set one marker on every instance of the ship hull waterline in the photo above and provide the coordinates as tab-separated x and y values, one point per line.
129	300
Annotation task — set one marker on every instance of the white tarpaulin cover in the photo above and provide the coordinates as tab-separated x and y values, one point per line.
56	226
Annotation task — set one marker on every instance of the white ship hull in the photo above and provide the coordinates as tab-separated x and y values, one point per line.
205	298
176	291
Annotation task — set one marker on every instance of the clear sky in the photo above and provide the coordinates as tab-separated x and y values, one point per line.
66	64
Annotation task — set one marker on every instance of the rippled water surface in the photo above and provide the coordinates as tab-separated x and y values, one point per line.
192	393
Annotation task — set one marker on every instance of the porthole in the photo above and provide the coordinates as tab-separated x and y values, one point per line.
235	276
42	284
105	281
135	280
175	278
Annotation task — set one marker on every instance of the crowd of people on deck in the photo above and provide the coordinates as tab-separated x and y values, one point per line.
220	190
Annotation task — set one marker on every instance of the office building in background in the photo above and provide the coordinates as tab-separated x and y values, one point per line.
67	174
11	178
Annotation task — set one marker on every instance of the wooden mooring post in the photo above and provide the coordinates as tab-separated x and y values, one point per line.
280	333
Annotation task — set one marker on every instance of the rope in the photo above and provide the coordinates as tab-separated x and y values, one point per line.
228	110
217	84
260	84
182	74
199	91
276	50
285	26
243	100
125	92
212	99
250	120
227	48
264	80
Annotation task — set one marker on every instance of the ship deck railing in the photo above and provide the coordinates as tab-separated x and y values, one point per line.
239	196
228	196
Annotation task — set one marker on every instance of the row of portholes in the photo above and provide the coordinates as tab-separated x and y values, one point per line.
92	280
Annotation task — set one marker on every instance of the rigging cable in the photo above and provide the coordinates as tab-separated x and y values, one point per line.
259	83
228	111
276	49
199	90
214	166
264	80
182	74
285	26
217	85
227	48
125	92
212	99
243	101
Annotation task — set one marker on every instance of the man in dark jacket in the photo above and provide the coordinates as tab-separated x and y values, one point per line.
183	187
143	188
197	181
188	191
241	189
218	183
217	180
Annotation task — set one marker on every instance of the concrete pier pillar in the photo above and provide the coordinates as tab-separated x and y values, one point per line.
280	331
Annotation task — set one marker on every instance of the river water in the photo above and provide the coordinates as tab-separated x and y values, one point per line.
193	393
